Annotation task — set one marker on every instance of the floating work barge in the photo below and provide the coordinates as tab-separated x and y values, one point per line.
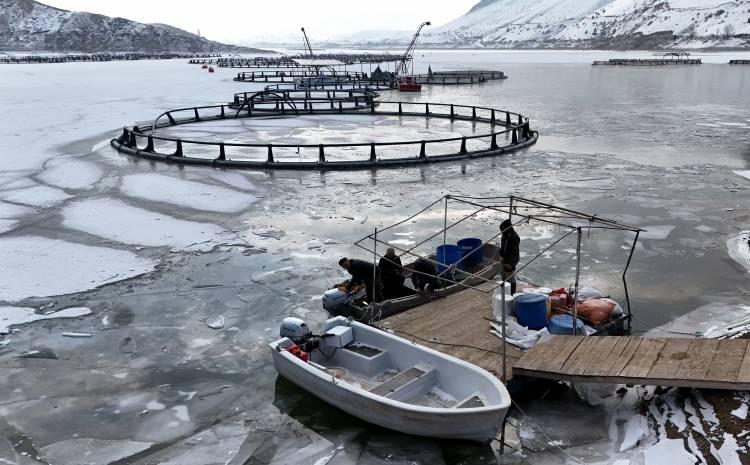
648	62
739	62
459	77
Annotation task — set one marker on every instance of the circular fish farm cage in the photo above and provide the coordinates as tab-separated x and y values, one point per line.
493	132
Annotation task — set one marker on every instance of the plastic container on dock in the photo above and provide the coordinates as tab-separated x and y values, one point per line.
448	254
497	302
531	310
562	325
471	251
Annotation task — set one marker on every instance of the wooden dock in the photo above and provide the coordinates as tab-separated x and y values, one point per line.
680	362
456	325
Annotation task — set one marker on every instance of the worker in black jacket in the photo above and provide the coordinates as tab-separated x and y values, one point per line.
392	274
510	245
423	277
366	273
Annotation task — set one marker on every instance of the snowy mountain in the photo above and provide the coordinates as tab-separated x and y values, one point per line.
631	24
30	25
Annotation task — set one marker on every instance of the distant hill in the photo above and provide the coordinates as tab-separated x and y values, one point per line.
34	26
587	24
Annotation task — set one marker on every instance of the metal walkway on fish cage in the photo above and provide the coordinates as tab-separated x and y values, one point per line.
494	132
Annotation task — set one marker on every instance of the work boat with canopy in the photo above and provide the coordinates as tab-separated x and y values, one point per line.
381	377
463	262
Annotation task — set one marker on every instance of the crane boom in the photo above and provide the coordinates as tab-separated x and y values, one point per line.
307	43
403	66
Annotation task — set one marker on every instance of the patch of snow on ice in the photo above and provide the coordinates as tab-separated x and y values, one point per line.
116	220
72	174
744	173
739	249
740	412
97	451
37	196
636	429
155	405
658	233
37	266
667	451
12	316
190	194
181	412
728	451
406	242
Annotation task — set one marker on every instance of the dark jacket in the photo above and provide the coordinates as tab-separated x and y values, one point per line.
510	245
361	272
391	271
425	276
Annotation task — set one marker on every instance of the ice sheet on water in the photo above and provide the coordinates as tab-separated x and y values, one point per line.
7	225
71	174
9	210
91	451
190	194
744	173
232	178
12	316
38	266
37	196
657	232
711	320
116	220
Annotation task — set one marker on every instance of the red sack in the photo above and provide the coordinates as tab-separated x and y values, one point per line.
595	310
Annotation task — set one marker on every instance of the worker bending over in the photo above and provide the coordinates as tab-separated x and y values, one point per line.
366	273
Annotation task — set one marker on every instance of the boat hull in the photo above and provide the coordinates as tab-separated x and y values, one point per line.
476	424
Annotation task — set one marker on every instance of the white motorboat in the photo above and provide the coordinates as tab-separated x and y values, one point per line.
391	382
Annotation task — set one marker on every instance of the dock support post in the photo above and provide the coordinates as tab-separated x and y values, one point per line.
270	154
373	157
452	114
400	111
422	150
374	268
578	274
197	116
473	113
222	153
624	281
222	115
150	144
505	340
507	118
514	137
463	145
493	143
178	152
321	154
132	142
492	117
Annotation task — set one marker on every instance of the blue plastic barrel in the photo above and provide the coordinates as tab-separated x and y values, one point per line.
448	254
531	310
471	251
562	325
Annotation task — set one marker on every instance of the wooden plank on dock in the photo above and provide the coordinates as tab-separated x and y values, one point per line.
697	363
727	360
457	325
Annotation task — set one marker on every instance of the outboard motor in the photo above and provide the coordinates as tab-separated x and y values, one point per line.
335	301
295	329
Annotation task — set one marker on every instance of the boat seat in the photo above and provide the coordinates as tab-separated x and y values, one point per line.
400	380
472	402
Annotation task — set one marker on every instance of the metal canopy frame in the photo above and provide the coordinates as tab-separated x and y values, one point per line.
518	210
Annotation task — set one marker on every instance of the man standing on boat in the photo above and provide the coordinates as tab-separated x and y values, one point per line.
366	273
510	245
423	277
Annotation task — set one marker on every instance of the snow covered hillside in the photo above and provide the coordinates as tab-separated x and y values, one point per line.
598	24
30	25
631	24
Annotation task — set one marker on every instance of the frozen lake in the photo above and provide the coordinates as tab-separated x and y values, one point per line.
154	251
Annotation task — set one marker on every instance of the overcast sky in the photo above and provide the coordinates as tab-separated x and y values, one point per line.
239	20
